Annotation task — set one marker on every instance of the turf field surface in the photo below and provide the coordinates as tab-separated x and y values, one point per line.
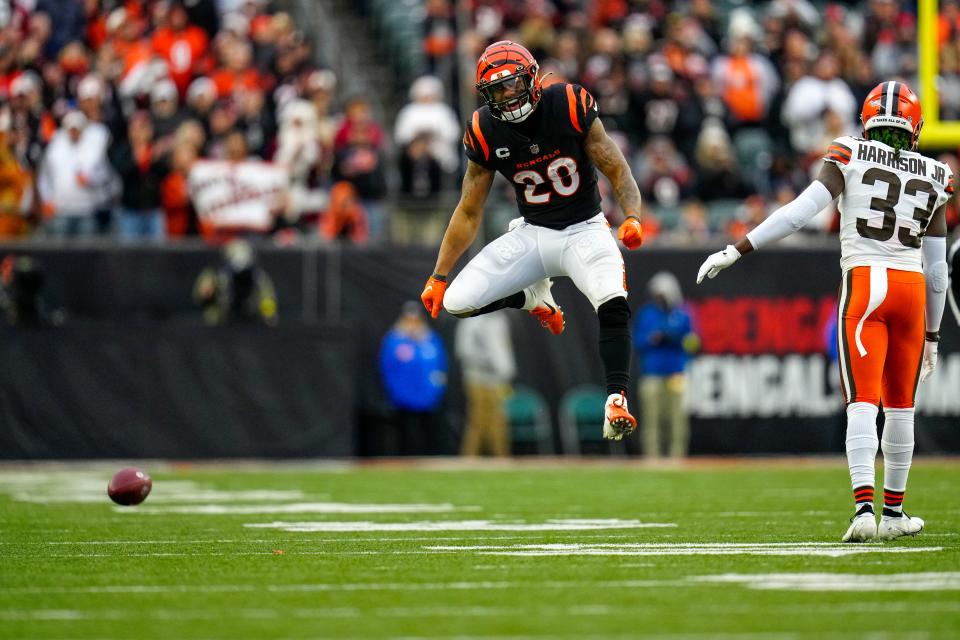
724	549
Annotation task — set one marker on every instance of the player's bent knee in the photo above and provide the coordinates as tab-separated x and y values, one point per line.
457	301
614	313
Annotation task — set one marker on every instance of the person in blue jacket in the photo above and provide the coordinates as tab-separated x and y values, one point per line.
664	339
413	364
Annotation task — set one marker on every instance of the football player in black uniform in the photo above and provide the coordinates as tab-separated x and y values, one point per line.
548	142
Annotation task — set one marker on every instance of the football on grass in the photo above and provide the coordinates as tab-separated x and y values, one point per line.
129	486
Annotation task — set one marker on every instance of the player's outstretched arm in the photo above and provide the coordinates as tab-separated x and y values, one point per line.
935	272
784	221
605	154
460	233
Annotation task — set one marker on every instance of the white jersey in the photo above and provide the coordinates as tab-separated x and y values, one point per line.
887	202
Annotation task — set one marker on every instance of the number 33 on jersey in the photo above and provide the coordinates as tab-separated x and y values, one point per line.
887	202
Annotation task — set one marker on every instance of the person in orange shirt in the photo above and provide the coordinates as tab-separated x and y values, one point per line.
14	183
746	82
237	72
344	217
183	46
174	192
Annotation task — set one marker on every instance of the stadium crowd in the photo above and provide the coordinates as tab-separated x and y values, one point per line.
137	119
723	107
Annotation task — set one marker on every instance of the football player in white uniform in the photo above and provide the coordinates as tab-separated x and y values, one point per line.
893	258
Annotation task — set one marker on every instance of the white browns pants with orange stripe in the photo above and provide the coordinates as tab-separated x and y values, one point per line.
880	331
585	252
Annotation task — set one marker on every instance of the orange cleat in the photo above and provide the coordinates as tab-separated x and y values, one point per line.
540	303
617	421
550	317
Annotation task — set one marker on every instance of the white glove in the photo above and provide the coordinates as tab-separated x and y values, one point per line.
929	362
717	262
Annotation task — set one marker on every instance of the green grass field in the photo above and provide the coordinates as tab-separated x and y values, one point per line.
732	549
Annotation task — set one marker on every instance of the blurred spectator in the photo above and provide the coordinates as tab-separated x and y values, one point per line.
237	291
203	13
662	175
97	134
201	99
565	56
223	122
71	179
413	365
298	149
420	171
665	108
811	98
358	149
719	175
21	293
257	122
15	185
604	74
142	165
664	339
165	110
419	217
182	45
746	82
694	225
896	52
426	113
485	353
748	216
319	89
68	22
440	39
33	125
178	209
237	71
344	219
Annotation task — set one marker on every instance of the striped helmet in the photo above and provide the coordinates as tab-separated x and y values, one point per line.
507	79
893	104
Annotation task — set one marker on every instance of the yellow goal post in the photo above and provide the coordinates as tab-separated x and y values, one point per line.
936	134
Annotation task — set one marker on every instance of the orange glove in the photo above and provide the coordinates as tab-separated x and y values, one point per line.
631	233
432	295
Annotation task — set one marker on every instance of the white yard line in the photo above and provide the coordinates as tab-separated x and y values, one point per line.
823	549
846	582
296	507
784	581
458	525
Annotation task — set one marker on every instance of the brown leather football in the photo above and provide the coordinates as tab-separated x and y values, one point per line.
129	486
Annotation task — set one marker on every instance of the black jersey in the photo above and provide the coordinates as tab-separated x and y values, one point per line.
543	156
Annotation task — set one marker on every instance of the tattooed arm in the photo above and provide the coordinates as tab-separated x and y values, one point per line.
605	154
466	218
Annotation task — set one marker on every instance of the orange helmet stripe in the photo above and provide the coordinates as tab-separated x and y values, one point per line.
475	125
840	150
500	53
572	106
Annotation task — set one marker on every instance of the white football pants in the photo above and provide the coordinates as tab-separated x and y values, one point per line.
585	252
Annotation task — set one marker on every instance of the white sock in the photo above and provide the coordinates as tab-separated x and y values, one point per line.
529	301
897	455
862	443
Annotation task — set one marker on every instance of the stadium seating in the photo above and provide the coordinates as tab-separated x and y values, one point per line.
581	419
529	419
